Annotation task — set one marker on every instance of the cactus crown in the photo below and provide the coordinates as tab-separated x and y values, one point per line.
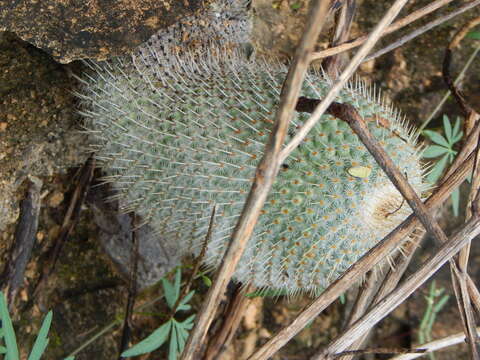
176	138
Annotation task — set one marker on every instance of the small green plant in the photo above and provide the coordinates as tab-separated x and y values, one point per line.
435	303
7	334
475	35
296	5
173	331
443	148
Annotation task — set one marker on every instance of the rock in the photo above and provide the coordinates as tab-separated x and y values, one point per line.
39	132
76	29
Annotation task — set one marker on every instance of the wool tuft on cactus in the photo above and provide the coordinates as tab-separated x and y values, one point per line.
177	138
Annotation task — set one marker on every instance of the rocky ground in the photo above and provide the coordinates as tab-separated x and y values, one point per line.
39	137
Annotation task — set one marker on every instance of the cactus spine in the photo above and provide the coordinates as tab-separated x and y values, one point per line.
177	135
177	140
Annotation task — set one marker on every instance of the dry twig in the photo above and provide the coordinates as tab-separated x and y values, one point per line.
423	29
368	261
132	290
392	28
436	345
25	235
265	174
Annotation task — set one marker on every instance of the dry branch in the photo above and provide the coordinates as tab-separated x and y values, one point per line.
424	29
265	174
367	262
392	28
436	345
469	231
25	234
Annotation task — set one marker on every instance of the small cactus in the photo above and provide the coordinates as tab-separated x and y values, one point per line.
175	140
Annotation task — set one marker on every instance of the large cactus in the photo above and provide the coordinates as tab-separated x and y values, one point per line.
178	137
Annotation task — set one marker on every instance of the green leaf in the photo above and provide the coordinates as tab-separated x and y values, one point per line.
433	151
188	323
9	332
172	291
206	281
183	306
42	341
172	350
441	303
178	282
438	169
436	138
455	196
182	336
3	349
151	342
296	6
475	35
447	128
70	358
457	131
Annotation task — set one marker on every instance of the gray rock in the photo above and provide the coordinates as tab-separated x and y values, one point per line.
77	29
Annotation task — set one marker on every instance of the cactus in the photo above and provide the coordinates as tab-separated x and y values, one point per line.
175	140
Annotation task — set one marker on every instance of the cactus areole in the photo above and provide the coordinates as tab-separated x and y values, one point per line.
177	138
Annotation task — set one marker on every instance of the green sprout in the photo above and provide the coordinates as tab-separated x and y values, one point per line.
435	303
175	331
7	334
443	148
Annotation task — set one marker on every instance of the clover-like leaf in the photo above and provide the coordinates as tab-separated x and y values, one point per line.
437	170
447	128
151	342
457	131
436	138
172	291
173	348
434	151
183	306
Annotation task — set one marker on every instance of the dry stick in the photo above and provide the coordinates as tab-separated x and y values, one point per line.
388	351
368	261
265	174
436	345
389	283
459	276
25	235
343	78
454	43
348	113
233	315
132	290
333	64
469	231
423	29
394	27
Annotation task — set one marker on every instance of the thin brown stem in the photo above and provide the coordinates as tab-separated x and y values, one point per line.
392	28
423	29
436	345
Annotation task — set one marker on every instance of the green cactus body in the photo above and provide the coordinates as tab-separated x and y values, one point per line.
175	140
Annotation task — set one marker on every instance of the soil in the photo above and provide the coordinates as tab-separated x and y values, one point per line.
39	137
